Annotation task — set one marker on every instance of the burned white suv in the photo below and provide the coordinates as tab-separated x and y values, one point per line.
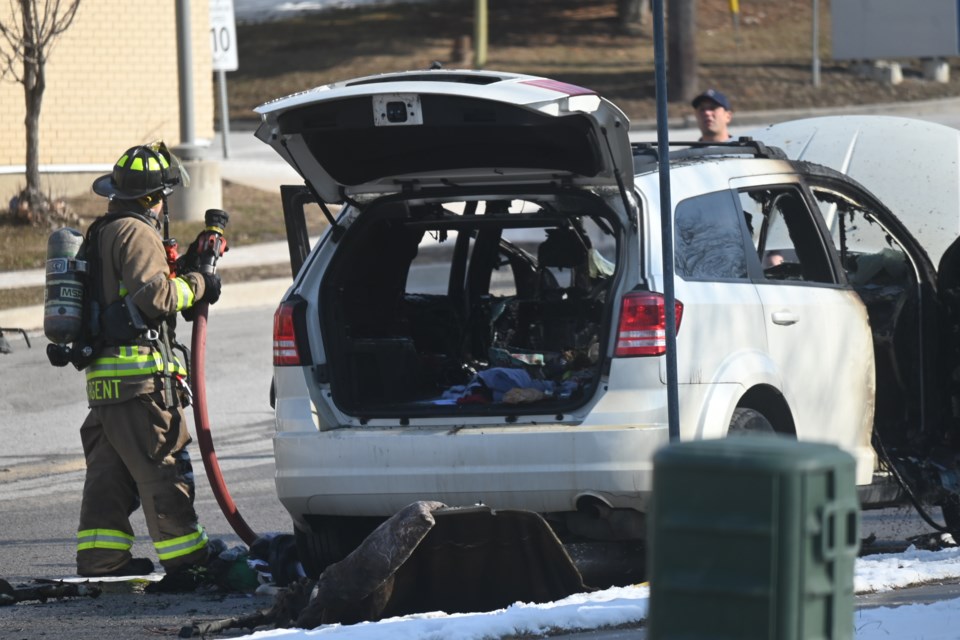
483	320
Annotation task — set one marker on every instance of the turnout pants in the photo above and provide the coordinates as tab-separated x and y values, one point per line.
136	455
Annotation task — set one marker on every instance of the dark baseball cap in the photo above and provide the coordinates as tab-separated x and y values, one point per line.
716	96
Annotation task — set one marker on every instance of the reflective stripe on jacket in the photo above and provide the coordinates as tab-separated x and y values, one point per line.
120	373
185	297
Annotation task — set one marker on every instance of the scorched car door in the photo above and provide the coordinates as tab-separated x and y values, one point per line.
915	345
818	335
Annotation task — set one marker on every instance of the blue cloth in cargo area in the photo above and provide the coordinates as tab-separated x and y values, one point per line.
499	380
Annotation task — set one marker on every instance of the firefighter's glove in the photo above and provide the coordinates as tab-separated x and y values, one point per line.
211	288
189	262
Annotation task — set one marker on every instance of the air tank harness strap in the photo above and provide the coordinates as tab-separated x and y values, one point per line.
173	369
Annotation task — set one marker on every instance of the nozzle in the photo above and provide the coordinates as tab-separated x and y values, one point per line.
212	244
216	218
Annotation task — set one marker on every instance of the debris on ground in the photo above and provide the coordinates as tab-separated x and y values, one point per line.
287	605
934	541
928	541
427	557
10	595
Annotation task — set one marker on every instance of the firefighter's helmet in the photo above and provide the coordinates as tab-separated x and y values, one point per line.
141	171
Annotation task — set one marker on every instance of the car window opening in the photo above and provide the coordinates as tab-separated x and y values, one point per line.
880	271
785	236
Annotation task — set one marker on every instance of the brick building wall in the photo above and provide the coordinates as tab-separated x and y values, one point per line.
111	83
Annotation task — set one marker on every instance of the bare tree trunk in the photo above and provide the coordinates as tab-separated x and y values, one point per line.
33	83
30	36
630	10
32	122
630	14
681	49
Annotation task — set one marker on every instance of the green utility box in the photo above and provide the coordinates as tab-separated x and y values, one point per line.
752	538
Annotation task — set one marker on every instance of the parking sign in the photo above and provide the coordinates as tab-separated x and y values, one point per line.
223	35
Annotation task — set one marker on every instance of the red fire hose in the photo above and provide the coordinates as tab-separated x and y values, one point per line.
198	351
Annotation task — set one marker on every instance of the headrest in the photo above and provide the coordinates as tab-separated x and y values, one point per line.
563	249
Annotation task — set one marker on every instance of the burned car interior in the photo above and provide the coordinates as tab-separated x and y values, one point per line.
515	321
881	272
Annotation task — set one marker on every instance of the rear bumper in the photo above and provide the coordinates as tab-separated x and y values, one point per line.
376	472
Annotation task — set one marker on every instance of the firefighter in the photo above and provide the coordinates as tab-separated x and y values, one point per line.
135	436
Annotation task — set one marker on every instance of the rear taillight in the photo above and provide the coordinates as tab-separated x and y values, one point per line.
643	325
285	351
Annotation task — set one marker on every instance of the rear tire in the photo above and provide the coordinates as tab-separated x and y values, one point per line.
317	549
749	422
329	540
951	516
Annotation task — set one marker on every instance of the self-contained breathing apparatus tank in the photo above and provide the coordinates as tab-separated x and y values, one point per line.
63	293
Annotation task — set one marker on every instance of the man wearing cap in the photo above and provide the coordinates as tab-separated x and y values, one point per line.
713	116
135	436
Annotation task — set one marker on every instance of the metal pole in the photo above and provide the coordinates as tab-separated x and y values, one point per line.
185	73
224	112
480	34
666	220
735	13
816	43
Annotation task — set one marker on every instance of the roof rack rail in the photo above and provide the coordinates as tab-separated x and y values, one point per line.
744	145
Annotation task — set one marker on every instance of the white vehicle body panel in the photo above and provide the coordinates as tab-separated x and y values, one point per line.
541	468
770	331
824	330
734	306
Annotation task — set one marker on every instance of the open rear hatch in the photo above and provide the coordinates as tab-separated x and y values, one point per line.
384	134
